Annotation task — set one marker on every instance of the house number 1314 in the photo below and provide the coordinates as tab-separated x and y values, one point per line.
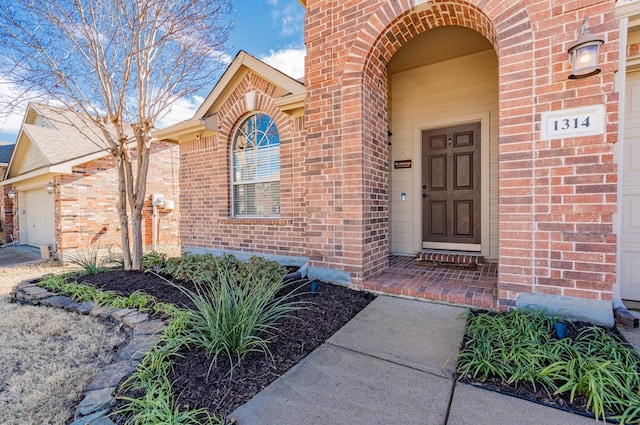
568	123
573	122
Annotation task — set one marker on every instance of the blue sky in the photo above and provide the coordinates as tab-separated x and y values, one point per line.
271	30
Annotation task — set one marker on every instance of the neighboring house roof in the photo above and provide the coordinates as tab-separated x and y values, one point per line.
52	141
293	93
5	154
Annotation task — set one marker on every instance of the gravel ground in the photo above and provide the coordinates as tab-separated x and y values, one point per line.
10	276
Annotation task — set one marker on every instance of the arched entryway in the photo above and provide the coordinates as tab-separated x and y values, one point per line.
443	150
443	108
443	116
550	215
368	87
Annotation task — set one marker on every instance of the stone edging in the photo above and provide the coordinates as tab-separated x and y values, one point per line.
144	334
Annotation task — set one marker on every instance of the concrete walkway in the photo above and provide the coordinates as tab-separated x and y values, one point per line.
392	364
20	254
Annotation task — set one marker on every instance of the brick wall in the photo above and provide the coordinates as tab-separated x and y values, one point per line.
206	216
556	197
7	212
85	204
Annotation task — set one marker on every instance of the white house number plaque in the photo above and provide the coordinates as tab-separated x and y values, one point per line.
573	122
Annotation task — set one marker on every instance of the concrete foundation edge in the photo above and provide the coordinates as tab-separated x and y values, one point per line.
599	312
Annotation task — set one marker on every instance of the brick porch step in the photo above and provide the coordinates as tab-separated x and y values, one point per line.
451	258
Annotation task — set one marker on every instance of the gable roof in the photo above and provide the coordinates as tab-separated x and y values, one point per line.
51	141
293	93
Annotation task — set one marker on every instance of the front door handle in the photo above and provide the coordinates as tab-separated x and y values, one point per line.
424	195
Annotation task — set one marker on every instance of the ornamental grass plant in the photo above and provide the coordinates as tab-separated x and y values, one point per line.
519	347
93	261
236	309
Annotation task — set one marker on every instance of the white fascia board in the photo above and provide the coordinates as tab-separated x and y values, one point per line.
52	170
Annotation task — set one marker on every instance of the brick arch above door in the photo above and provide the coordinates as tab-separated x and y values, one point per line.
361	96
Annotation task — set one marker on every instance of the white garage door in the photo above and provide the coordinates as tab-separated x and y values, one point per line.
39	223
630	202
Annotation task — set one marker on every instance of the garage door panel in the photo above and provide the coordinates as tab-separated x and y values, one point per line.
39	218
629	272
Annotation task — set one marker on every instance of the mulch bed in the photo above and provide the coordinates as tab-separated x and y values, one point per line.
526	390
296	336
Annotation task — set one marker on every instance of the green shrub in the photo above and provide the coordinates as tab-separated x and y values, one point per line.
205	268
517	347
153	261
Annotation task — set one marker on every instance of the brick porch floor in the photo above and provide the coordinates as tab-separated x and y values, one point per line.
410	277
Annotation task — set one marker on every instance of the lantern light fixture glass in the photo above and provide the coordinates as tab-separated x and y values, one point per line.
49	187
11	194
584	54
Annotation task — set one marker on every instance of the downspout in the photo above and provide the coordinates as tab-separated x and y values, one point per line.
154	232
298	274
620	312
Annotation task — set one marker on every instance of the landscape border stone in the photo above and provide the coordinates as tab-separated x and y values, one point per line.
143	334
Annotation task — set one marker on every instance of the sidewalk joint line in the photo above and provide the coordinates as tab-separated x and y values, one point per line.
390	361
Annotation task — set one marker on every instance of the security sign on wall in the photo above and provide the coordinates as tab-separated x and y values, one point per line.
405	163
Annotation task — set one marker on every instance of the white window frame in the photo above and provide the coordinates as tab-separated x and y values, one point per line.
269	179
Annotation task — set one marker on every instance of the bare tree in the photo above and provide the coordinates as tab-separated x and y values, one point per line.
122	63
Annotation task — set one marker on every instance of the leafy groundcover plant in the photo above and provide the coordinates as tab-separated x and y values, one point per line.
592	367
237	305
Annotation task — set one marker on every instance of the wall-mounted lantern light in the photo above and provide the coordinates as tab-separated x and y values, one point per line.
584	54
49	187
11	194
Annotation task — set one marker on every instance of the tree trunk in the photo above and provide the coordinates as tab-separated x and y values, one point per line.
122	211
137	194
136	229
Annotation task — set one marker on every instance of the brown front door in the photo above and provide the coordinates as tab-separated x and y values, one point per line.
451	185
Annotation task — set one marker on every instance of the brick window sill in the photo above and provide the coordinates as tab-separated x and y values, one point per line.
256	221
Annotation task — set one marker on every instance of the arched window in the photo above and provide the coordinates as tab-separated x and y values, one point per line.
256	168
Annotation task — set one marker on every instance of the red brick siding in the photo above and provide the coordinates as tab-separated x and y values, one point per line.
7	211
85	204
546	206
207	220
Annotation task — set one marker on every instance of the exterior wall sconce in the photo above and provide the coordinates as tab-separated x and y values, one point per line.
49	188
584	54
11	194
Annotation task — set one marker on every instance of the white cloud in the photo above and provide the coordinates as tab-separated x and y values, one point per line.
223	58
290	61
10	122
182	110
289	19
